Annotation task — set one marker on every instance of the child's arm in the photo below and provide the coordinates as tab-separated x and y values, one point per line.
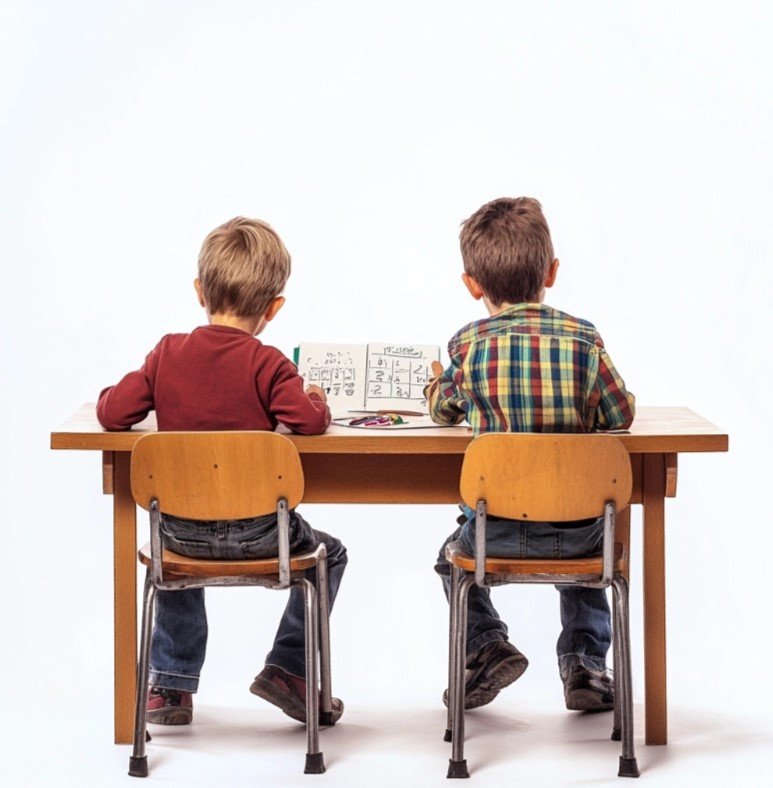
304	412
616	406
446	405
131	399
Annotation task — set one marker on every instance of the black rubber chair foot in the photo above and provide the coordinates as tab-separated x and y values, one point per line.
138	767
326	718
615	734
628	767
315	763
447	735
457	769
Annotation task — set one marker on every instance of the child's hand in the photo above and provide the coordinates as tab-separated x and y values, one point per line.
312	389
433	383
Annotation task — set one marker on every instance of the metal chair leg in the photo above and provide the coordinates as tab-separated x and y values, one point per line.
618	671
628	764
138	761
326	693
457	765
452	625
315	763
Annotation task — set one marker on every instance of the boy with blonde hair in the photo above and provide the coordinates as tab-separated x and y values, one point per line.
221	377
528	368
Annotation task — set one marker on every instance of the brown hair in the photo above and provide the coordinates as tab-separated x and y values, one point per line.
506	248
243	265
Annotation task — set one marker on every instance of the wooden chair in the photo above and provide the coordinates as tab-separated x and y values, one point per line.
228	476
549	478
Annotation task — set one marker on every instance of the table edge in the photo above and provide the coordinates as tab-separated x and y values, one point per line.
415	444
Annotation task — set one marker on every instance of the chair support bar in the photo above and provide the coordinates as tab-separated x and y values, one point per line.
586	581
480	542
283	523
608	545
156	568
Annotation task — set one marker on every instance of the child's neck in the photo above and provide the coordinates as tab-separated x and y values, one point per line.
495	309
252	325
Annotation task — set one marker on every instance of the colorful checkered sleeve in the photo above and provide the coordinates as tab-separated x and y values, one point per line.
446	405
616	406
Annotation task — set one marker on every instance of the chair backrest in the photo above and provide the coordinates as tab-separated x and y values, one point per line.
216	475
546	477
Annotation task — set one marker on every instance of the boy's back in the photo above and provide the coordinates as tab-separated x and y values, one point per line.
531	368
215	378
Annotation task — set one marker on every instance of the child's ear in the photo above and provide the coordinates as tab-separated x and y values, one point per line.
197	286
476	291
275	305
550	277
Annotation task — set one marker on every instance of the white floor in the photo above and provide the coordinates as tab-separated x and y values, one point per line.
525	737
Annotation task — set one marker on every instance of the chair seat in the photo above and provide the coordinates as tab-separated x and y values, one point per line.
183	565
533	566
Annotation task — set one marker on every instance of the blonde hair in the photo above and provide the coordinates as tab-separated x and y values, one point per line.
243	266
506	248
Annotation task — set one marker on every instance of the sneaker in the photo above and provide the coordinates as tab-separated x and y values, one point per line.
169	707
588	690
489	670
288	692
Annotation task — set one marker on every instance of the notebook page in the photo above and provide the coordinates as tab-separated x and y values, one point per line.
397	374
339	369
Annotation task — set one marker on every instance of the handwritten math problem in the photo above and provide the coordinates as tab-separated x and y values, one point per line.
397	373
368	377
334	371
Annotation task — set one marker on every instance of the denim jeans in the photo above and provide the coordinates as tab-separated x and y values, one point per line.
585	618
180	625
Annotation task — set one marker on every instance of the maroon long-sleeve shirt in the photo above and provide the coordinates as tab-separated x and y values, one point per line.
215	378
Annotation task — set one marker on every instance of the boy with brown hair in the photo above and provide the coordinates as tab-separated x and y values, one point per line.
221	377
528	368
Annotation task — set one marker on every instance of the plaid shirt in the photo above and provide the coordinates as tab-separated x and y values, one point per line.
530	368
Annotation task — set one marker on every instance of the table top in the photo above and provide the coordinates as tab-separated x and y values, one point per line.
655	430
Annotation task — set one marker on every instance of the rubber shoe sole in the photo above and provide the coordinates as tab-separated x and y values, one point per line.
284	697
169	707
588	700
178	716
487	674
586	690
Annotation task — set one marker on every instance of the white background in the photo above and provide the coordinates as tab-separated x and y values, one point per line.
364	133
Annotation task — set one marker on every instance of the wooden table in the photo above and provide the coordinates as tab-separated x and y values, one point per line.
408	466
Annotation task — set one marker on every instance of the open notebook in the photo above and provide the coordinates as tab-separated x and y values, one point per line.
372	377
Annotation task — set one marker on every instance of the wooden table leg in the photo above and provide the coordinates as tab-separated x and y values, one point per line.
124	600
654	581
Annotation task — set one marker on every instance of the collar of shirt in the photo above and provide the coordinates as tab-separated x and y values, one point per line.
224	329
526	318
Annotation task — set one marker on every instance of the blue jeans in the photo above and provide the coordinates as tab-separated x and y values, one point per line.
585	618
180	625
